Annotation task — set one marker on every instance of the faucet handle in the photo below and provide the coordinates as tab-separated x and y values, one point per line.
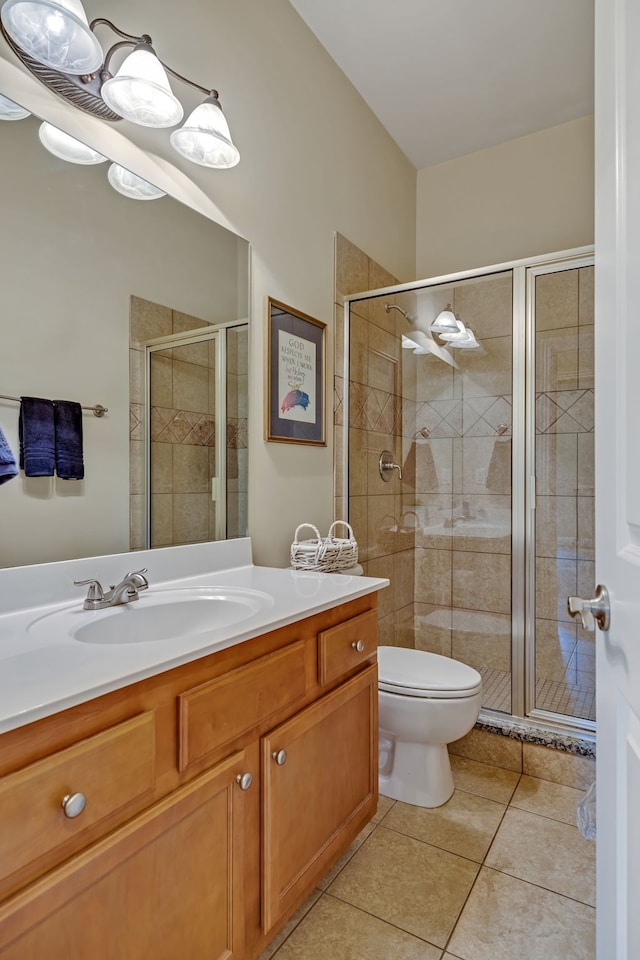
140	580
95	591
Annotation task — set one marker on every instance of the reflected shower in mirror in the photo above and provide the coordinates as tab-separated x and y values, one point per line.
77	258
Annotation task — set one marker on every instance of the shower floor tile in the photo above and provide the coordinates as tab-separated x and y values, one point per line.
557	696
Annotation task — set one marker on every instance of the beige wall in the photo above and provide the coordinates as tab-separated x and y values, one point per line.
314	161
530	196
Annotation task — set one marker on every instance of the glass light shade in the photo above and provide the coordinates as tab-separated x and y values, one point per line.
459	333
130	185
140	91
409	344
468	341
11	111
205	137
53	32
66	147
445	321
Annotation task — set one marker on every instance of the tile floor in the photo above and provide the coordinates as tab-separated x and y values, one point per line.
559	696
500	872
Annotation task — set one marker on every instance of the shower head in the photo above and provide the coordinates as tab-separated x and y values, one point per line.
391	306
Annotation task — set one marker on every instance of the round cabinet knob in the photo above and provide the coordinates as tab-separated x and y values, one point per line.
358	645
244	780
73	804
280	757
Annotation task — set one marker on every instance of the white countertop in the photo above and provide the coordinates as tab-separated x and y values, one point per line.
44	669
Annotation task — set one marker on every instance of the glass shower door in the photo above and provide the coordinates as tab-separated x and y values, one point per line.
562	560
196	436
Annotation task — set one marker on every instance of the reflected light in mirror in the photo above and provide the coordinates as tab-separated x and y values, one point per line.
10	110
66	147
132	186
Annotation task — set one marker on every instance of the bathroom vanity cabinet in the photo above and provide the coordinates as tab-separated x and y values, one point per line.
216	794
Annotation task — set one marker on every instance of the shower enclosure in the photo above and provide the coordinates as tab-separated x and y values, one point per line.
479	386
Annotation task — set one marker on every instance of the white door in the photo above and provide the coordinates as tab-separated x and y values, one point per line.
618	474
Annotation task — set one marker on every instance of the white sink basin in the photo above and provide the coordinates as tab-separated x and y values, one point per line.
158	615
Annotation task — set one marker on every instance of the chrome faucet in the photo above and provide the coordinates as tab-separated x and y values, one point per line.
465	515
123	592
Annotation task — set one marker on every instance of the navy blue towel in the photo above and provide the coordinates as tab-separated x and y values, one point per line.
8	465
37	437
68	428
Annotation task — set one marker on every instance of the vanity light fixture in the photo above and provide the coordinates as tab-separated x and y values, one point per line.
11	111
66	147
466	340
452	334
445	322
55	41
130	185
452	330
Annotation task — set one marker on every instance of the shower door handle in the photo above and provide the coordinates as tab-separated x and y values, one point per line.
597	610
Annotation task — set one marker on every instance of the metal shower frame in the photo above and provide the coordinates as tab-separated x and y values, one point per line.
523	494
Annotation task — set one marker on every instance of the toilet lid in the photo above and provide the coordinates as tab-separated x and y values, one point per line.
417	673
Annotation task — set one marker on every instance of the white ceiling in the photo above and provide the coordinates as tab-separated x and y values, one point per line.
448	77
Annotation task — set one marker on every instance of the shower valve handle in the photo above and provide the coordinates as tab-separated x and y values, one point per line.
386	464
597	610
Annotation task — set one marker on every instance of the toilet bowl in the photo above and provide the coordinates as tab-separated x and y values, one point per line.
425	702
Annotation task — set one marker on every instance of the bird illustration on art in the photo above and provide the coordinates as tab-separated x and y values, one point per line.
295	398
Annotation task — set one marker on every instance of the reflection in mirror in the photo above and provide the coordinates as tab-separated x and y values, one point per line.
193	382
81	264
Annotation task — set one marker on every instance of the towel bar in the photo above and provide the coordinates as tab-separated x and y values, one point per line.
97	408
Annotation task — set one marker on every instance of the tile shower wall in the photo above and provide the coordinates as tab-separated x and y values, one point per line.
462	480
182	429
564	419
378	382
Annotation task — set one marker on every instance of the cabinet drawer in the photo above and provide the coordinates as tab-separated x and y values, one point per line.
221	710
111	770
339	647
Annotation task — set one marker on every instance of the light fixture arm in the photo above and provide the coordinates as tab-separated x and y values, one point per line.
130	40
145	38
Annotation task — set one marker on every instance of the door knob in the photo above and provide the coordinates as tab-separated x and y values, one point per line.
596	610
280	757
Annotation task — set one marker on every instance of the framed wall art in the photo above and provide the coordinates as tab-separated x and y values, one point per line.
295	379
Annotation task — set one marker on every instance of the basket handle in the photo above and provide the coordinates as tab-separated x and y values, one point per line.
345	524
299	528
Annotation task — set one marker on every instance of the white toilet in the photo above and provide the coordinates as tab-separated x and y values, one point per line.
426	701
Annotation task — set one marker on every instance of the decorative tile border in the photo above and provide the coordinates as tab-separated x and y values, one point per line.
237	437
182	426
531	734
565	411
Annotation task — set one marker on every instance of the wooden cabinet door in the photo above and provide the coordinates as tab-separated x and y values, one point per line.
316	801
167	885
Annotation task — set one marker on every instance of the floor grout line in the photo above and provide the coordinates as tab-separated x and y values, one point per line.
481	866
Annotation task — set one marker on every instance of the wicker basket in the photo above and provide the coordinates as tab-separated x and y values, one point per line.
326	554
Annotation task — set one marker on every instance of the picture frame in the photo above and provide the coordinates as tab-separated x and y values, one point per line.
295	380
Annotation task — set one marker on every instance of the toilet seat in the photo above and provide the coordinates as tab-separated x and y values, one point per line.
418	673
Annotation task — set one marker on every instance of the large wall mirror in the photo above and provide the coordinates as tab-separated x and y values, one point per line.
142	307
